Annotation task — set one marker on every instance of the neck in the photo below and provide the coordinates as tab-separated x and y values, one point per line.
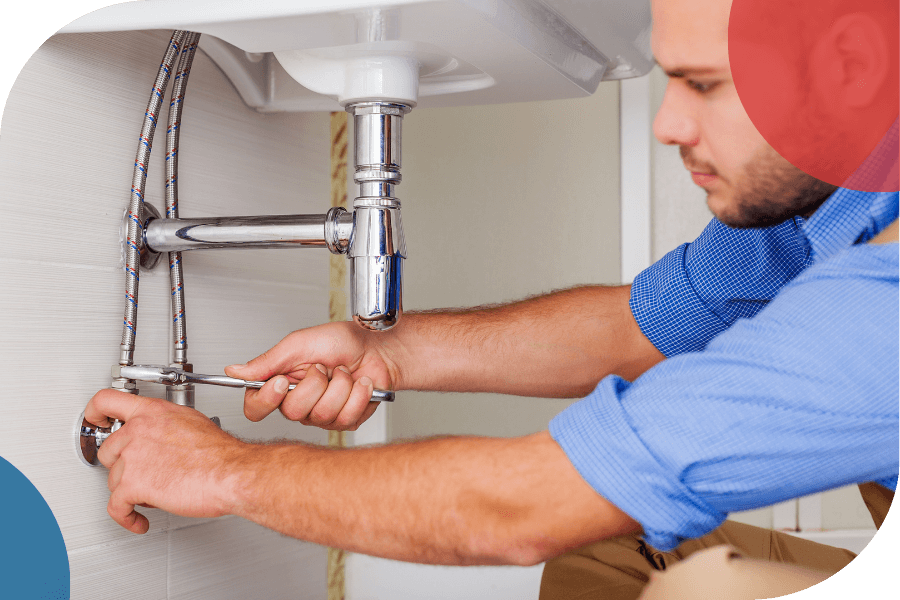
888	235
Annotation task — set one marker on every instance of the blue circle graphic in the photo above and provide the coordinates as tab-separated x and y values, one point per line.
33	559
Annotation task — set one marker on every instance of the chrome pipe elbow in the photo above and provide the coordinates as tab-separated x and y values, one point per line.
377	250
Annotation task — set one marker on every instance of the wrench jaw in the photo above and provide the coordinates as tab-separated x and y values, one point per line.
178	379
150	373
181	393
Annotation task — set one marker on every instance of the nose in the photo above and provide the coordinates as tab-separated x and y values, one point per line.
675	124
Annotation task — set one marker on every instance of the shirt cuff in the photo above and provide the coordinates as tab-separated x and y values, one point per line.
668	309
596	436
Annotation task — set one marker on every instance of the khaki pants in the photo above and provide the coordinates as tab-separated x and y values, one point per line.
734	561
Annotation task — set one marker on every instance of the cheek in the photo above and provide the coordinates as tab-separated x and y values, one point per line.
768	87
732	138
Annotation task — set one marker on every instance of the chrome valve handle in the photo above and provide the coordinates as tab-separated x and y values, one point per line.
91	437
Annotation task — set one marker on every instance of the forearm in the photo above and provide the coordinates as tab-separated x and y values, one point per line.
557	345
441	501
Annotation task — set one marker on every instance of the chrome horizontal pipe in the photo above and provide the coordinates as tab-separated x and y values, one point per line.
331	230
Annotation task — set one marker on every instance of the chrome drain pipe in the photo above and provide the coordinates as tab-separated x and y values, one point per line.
377	248
372	235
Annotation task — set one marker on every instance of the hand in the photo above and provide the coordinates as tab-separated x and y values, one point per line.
337	366
164	456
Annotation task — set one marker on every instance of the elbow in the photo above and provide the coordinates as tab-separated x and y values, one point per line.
510	549
528	557
514	555
527	554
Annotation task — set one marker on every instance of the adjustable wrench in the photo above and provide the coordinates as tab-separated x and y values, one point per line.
174	376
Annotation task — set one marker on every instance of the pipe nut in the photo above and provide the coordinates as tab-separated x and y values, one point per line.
338	230
182	395
378	108
124	385
377	175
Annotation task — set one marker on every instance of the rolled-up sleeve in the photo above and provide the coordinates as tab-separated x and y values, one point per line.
800	399
699	289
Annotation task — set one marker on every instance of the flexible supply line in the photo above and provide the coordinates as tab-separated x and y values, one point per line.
173	134
134	227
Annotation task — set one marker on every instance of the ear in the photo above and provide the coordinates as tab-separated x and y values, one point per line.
851	61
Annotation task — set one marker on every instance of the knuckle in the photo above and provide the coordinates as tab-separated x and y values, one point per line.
270	401
293	411
344	424
135	427
103	456
346	419
322	415
318	382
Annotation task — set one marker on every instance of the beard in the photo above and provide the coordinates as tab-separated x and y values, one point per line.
768	191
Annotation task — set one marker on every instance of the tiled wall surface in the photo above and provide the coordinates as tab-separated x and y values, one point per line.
69	134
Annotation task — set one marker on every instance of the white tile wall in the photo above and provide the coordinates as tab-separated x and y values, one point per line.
282	567
69	134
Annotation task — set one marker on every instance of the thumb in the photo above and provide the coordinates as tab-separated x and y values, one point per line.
275	361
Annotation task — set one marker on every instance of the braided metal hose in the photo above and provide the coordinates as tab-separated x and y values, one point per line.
173	133
134	230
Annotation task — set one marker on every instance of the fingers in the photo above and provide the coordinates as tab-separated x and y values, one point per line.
354	410
114	404
114	478
121	509
111	450
301	400
259	403
325	409
340	407
338	403
281	358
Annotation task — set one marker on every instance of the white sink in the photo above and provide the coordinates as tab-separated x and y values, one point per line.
425	52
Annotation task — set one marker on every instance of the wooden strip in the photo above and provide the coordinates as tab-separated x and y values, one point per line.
337	311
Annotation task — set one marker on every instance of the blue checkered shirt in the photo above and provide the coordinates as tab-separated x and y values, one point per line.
781	381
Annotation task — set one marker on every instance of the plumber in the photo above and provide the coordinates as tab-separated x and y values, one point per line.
757	364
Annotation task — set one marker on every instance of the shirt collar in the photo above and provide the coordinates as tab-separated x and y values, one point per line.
846	218
880	169
849	217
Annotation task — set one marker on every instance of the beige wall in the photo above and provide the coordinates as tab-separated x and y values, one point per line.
502	202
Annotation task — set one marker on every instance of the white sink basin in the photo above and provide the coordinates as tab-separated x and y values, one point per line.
430	52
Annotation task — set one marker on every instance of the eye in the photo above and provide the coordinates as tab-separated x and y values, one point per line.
701	87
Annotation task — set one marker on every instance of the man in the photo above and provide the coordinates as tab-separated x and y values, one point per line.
798	399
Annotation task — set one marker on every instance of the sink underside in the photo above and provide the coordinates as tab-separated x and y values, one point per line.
475	51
